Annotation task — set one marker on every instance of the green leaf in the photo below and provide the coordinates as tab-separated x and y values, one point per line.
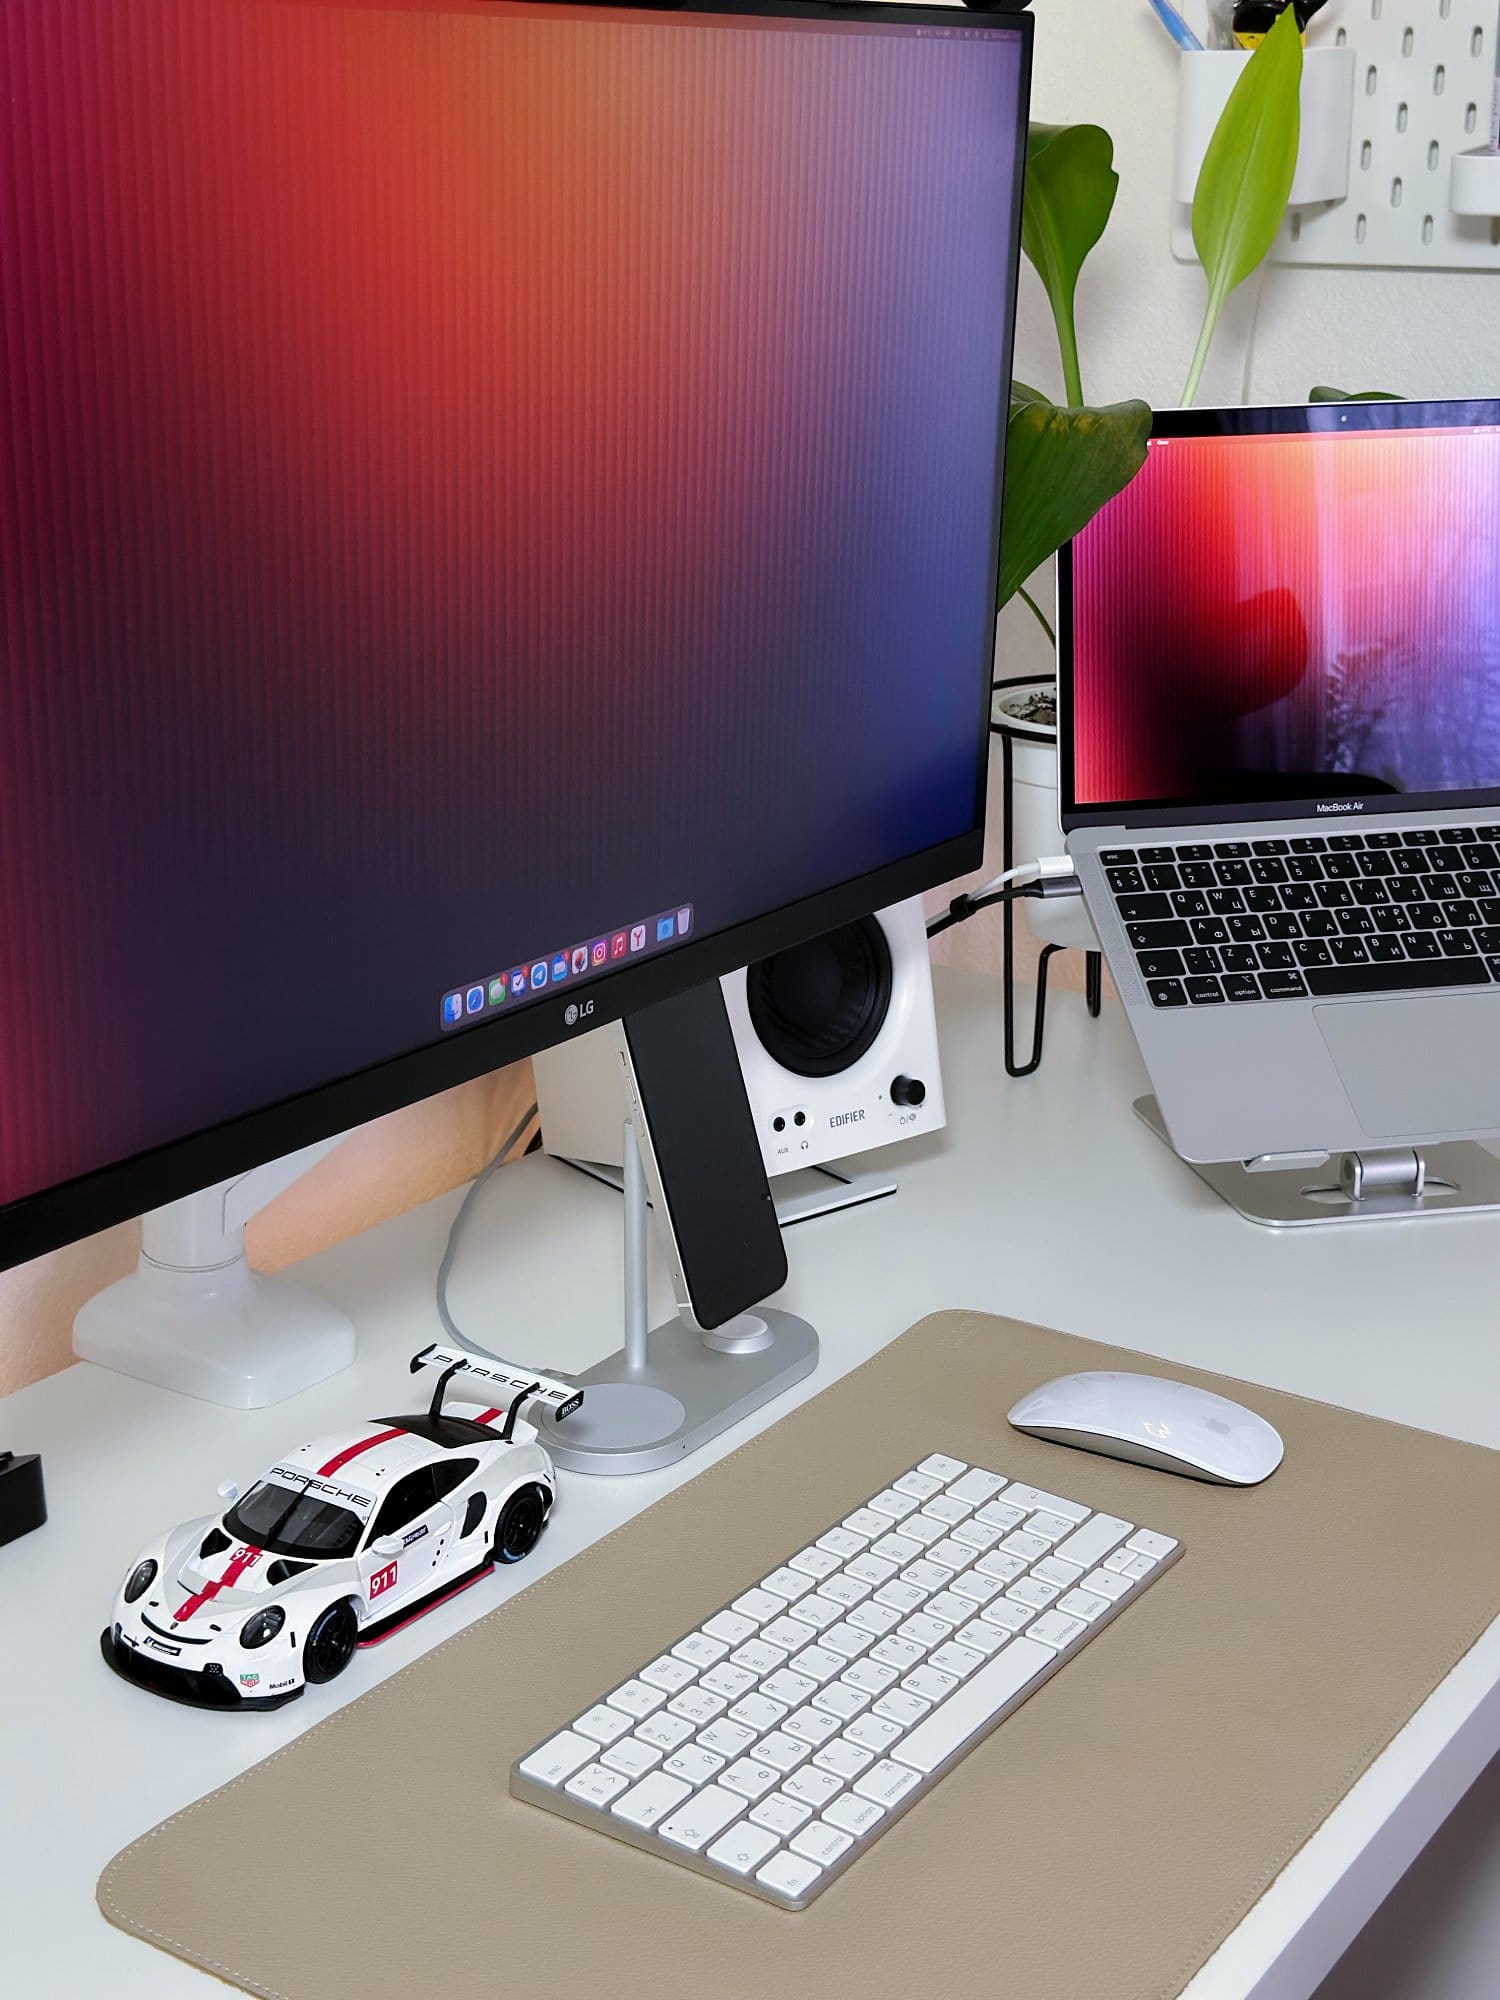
1061	466
1247	174
1321	393
1071	185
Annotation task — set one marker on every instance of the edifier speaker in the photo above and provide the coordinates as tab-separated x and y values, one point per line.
838	1045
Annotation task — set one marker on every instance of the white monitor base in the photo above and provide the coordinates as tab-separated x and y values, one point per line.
232	1336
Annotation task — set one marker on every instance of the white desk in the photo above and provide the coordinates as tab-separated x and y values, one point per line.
1045	1200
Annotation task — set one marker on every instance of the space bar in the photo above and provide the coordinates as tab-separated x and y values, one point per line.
1332	981
973	1708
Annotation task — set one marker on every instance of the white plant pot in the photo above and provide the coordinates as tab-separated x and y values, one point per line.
1035	829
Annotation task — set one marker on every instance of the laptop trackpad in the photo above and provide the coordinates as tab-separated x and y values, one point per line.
1419	1065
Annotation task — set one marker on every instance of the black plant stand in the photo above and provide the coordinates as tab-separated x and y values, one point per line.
1093	981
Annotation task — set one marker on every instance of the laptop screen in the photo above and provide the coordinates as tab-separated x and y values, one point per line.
1289	610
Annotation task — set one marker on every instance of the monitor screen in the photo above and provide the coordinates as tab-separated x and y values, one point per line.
1282	616
493	498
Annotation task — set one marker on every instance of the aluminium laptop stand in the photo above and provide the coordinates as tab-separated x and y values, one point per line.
1302	1190
672	1387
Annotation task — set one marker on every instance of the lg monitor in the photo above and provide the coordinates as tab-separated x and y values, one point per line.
499	509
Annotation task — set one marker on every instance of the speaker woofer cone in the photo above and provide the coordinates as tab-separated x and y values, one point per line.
819	1007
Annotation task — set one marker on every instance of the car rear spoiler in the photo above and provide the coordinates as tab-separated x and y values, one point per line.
518	1385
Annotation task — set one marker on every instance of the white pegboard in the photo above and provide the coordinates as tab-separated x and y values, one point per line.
1423	89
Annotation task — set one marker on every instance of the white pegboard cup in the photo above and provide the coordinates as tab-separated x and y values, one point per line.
1206	79
1474	184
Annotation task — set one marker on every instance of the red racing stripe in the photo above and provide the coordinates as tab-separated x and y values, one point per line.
239	1562
487	1416
342	1458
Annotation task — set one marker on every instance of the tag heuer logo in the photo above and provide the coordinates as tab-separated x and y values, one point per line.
249	1680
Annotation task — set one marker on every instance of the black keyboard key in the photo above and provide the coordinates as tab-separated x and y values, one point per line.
1320	923
1225	902
1162	876
1422	836
1204	992
1372	862
1437	888
1409	861
1312	951
1446	857
1422	944
1392	917
1189	903
1283	985
1390	838
1231	850
1159	964
1268	868
1426	916
1309	843
1197	850
1200	959
1167	993
1490	833
1144	909
1305	868
1267	897
1198	875
1461	916
1242	957
1241	986
1268	847
1126	881
1334	981
1157	854
1474	882
1366	893
1343	842
1489	909
1355	923
1247	930
1118	857
1481	856
1385	950
1284	924
1350	951
1340	867
1277	957
1333	895
1158	937
1233	874
1299	896
1456	944
1488	939
1210	930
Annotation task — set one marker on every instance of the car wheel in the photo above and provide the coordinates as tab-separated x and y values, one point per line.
520	1525
330	1644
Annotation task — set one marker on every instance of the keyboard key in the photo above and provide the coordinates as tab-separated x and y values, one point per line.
855	1813
750	1777
814	1562
781	1813
730	1626
1338	980
1286	985
644	1804
1053	1628
1241	986
1147	908
1167	992
596	1785
821	1843
1146	1543
758	1656
558	1759
1083	1604
1094	1540
761	1605
757	1712
942	1467
1149	937
603	1723
921	1485
631	1756
813	1785
701	1651
725	1738
668	1731
789	1875
974	1706
669	1674
697	1705
1204	992
1036	1498
695	1824
744	1847
844	1760
884	1783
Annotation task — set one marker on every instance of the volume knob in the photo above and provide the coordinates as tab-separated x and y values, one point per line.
908	1090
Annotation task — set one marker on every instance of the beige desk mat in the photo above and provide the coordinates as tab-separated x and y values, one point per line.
1098	1846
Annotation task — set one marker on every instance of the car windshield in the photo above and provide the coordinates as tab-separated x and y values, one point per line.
293	1523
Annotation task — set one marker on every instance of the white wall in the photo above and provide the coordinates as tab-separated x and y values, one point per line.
1433	333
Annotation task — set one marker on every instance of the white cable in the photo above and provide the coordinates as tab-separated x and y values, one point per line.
1048	868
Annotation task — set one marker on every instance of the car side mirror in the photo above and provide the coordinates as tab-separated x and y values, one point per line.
388	1545
228	1491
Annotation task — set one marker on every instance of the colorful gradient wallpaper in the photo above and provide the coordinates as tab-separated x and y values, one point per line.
1292	617
471	476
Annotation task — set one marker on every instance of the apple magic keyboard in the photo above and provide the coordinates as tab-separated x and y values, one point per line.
770	1746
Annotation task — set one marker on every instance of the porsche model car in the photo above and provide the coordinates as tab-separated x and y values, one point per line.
340	1542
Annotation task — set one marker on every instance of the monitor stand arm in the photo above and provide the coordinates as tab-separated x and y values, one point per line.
193	1315
671	1388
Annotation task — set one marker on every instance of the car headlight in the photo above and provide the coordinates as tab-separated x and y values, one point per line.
262	1627
140	1580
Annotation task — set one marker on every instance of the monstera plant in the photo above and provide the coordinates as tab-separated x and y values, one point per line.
1066	459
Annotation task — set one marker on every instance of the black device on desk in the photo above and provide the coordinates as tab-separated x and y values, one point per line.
519	543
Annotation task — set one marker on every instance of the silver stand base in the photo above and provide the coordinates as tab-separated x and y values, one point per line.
1312	1190
798	1196
635	1420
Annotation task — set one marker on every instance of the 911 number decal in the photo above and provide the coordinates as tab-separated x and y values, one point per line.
383	1580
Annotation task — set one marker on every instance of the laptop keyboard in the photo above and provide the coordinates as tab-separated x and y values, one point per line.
1320	915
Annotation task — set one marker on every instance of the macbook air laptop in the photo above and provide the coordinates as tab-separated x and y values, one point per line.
1279	752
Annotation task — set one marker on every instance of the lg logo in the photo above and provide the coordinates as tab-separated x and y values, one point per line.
577	1012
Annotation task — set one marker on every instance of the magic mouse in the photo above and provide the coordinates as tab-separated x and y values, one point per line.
1151	1421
